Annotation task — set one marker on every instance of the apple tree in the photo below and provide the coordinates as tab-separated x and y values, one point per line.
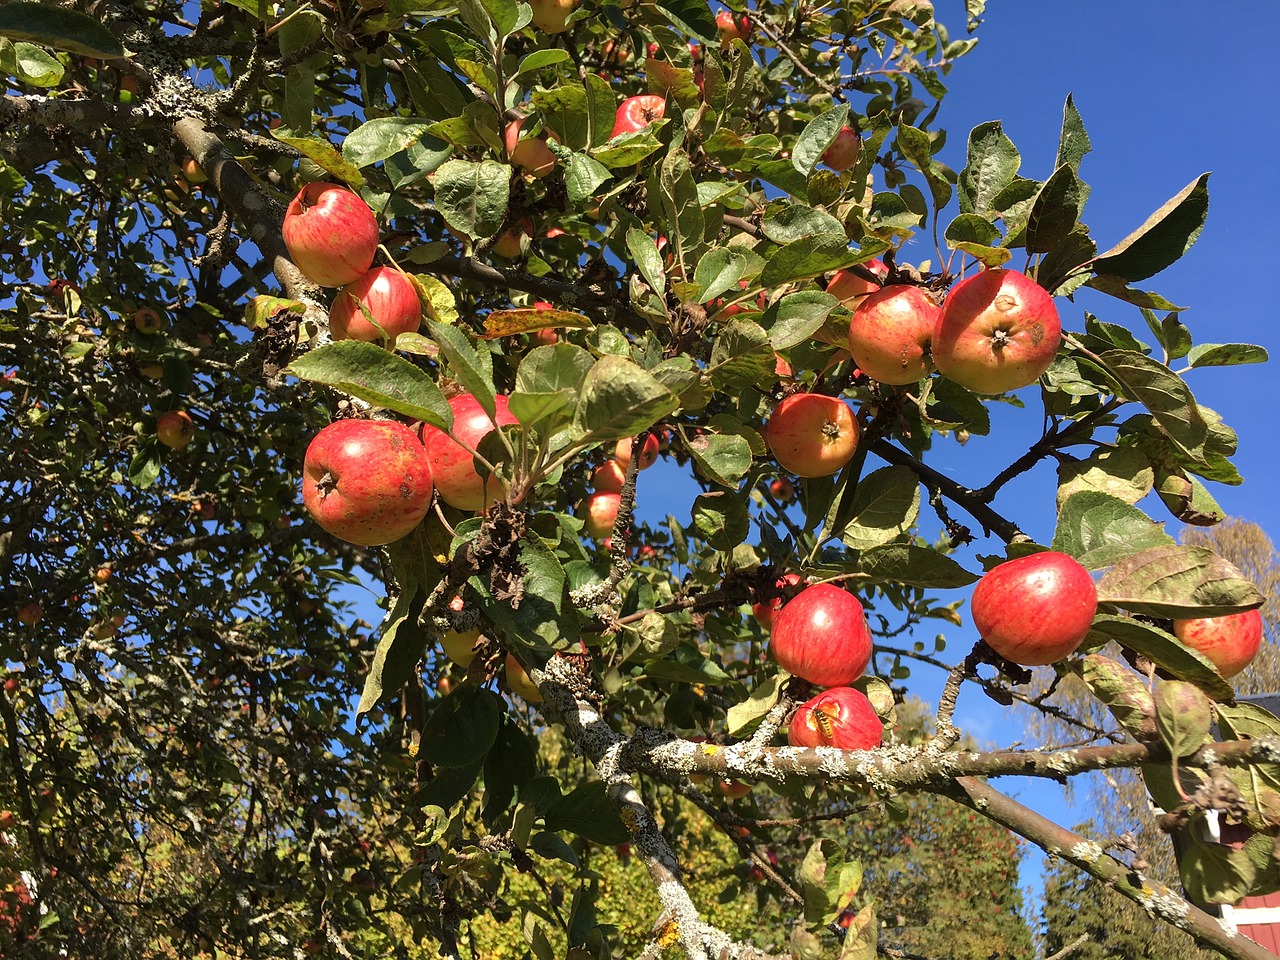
305	300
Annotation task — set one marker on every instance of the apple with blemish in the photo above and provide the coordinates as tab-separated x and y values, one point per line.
381	304
1229	642
844	151
890	332
812	435
330	233
453	467
841	717
175	429
636	113
599	512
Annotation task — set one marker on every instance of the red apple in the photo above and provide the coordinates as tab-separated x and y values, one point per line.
520	683
998	331
598	513
850	289
544	338
542	304
648	453
550	16
609	477
366	481
1035	609
331	234
7	819
822	636
732	28
765	609
733	789
782	489
175	429
1228	642
840	717
890	332
390	299
453	467
638	112
844	150
147	321
29	614
102	574
12	684
531	155
812	435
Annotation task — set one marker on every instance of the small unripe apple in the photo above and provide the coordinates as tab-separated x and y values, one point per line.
822	636
609	477
193	172
29	614
147	321
520	683
890	332
511	243
732	27
1229	642
531	155
598	513
840	717
152	371
648	453
453	468
1036	609
812	435
998	331
331	234
844	150
459	646
390	299
175	429
850	289
551	16
636	113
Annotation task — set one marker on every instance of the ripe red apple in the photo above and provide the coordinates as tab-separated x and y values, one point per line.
890	332
598	513
520	683
732	28
531	155
609	477
648	453
636	113
390	299
550	16
544	338
844	150
147	321
1228	642
366	481
998	331
765	610
11	685
331	234
850	289
29	614
733	789
1035	609
812	435
459	646
840	717
782	489
453	466
822	636
175	429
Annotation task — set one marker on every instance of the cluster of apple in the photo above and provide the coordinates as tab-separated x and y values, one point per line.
332	237
174	428
600	509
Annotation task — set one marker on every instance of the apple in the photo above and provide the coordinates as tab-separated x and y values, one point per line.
648	453
175	429
102	574
147	321
812	435
609	477
531	155
844	150
850	289
636	113
390	299
822	636
193	172
890	332
331	234
782	489
551	16
1035	609
998	331
732	28
511	243
544	338
841	717
459	646
599	512
733	309
366	481
764	610
1228	642
7	819
520	683
733	789
453	467
11	685
29	614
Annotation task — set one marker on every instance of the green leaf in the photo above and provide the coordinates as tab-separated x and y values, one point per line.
644	251
583	176
548	382
588	812
325	156
619	400
1178	582
718	271
741	356
1073	143
787	223
1165	236
30	64
540	59
913	565
797	316
1213	872
370	373
1225	354
565	110
1055	211
818	134
992	165
463	727
886	504
744	717
1121	691
722	459
1121	472
810	257
1165	394
917	147
1161	648
465	363
376	140
1183	716
1116	287
721	519
972	229
951	405
692	17
399	649
1099	529
473	197
60	28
